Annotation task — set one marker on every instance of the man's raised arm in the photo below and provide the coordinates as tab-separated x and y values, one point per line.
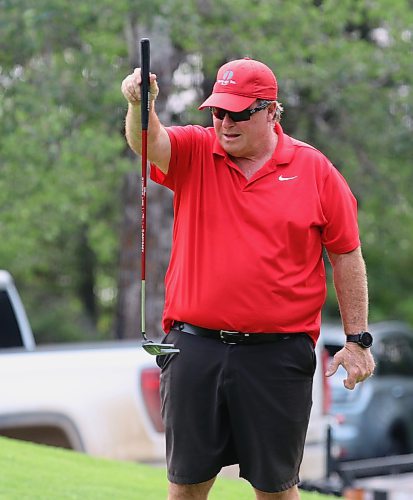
159	146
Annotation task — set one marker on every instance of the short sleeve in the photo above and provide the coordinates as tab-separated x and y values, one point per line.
340	234
182	140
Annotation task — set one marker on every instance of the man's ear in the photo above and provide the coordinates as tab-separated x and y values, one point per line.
271	111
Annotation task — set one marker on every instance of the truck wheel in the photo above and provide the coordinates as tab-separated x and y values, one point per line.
52	436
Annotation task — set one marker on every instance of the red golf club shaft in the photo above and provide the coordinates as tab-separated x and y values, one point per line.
145	63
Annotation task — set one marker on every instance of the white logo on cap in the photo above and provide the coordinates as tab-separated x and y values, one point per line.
227	78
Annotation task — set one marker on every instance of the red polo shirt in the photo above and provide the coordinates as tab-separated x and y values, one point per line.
247	254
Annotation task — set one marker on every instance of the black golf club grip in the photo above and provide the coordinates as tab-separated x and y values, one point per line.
145	63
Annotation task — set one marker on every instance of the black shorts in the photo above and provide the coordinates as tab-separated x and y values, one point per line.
237	404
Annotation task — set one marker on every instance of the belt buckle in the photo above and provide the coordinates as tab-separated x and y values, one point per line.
225	336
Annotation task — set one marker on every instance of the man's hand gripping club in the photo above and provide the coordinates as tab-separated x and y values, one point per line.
131	88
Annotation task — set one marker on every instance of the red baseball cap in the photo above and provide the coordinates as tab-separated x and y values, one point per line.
239	83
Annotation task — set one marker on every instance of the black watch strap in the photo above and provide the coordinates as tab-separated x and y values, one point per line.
363	339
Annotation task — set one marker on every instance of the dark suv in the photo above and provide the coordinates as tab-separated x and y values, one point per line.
376	418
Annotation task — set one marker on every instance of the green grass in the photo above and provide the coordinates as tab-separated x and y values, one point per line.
33	472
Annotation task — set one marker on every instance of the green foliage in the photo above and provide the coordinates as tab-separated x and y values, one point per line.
344	71
62	161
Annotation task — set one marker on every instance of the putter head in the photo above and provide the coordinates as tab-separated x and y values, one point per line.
159	349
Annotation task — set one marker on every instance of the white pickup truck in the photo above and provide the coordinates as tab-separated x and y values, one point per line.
102	399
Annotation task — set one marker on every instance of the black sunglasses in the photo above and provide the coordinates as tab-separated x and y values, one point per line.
238	116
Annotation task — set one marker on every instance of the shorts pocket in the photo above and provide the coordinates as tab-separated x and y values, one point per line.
163	360
310	349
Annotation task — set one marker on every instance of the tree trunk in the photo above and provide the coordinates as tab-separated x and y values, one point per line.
128	309
158	242
164	60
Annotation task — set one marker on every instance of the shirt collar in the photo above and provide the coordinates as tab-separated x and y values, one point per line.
284	150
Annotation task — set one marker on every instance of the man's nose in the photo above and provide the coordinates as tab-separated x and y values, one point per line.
227	119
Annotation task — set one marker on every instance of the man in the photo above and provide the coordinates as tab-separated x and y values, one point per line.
253	209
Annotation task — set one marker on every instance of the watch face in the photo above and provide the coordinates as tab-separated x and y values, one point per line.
366	339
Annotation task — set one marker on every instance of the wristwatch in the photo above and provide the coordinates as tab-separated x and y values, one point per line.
363	339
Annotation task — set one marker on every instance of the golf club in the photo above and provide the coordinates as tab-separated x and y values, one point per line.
154	348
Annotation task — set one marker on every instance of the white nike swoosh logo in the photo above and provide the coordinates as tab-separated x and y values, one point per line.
281	178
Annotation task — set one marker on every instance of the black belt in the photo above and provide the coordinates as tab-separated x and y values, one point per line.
231	337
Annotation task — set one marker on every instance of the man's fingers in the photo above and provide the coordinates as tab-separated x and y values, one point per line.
128	90
134	85
332	368
356	374
349	383
131	86
153	88
353	376
358	363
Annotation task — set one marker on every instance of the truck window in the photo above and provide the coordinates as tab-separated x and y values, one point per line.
9	328
395	355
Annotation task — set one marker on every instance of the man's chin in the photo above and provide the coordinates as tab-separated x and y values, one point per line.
231	146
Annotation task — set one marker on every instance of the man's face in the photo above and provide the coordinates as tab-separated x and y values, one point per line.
243	139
